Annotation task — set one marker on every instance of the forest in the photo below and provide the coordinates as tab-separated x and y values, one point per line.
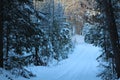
60	40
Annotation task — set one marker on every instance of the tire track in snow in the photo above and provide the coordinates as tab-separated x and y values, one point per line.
81	65
85	65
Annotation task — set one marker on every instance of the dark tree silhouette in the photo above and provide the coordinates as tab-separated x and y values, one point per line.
1	35
110	19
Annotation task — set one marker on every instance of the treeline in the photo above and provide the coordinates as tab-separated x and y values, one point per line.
105	32
30	37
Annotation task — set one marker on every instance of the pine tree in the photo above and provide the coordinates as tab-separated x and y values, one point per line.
17	27
110	20
106	35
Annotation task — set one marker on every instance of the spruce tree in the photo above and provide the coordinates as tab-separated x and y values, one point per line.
107	36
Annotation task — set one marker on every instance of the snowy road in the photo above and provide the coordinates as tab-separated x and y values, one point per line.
81	65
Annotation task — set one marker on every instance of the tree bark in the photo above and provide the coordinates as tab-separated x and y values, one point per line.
36	56
110	19
1	35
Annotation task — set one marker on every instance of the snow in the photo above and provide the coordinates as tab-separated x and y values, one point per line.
86	28
42	16
27	7
81	65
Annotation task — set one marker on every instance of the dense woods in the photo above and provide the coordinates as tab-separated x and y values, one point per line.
105	33
39	32
30	38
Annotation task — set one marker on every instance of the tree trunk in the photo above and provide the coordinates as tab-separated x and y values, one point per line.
113	34
1	35
36	56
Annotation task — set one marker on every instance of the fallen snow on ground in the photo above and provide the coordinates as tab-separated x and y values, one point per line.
78	40
81	65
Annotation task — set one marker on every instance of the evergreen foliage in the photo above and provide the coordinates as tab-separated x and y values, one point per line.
99	35
30	39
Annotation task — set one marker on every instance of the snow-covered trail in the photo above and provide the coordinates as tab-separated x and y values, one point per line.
81	65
